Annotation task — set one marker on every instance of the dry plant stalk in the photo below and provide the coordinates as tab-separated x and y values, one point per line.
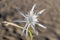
13	24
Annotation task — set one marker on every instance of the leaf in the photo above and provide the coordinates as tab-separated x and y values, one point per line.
30	33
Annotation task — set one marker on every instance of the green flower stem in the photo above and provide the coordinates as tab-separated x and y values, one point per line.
30	33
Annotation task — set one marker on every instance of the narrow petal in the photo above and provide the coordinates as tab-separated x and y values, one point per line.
36	32
18	21
27	30
33	27
32	10
20	12
40	12
24	28
26	33
33	23
41	25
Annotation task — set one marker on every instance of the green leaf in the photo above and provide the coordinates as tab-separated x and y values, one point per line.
30	33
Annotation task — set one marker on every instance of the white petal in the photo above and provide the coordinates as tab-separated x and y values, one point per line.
33	27
33	23
27	30
20	12
26	33
40	12
32	10
41	25
36	32
24	28
35	16
18	21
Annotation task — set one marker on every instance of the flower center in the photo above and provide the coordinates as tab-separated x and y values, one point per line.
31	19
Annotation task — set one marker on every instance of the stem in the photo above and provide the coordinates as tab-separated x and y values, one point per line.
13	24
30	33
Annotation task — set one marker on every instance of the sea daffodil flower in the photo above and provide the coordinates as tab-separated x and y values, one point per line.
30	20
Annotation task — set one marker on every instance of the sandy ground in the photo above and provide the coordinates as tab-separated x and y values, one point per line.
50	18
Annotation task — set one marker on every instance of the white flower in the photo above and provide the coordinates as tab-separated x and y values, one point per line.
30	20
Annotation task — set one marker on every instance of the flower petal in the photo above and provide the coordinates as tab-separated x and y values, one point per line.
20	12
40	12
26	33
41	25
24	28
32	27
36	32
27	30
32	10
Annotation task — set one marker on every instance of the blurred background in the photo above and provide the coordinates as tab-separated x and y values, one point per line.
50	18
